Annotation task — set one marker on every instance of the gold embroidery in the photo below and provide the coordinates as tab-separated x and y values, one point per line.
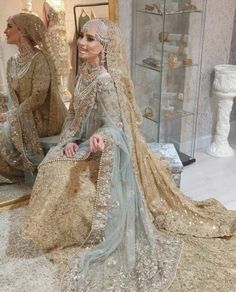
103	193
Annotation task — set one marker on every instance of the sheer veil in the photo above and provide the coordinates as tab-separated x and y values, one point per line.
165	201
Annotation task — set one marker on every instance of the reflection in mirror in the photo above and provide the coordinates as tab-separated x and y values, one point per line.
18	192
32	108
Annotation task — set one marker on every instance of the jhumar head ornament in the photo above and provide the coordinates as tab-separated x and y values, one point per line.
100	28
31	26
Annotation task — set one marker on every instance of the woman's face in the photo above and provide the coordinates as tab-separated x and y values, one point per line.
12	33
89	47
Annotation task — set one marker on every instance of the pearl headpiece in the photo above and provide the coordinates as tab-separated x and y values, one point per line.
101	30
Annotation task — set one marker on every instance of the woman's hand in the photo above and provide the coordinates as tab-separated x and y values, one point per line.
3	117
96	143
70	149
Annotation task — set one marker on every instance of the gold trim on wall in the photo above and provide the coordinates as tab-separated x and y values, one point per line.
113	10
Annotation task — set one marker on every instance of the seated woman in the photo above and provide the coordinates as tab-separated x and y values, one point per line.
102	196
35	108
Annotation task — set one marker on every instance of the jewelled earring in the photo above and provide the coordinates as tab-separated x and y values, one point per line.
103	57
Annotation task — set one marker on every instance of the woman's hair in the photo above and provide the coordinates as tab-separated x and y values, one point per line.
31	26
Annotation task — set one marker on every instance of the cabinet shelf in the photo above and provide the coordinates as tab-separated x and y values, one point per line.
171	115
169	12
165	67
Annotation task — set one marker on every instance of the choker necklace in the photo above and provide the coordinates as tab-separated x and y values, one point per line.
26	52
21	62
25	59
87	79
25	56
90	73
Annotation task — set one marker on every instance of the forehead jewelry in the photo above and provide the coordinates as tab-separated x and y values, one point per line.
102	39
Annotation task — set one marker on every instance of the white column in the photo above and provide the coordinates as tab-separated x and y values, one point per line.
225	91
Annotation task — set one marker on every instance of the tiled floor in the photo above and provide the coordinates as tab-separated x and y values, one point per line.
212	177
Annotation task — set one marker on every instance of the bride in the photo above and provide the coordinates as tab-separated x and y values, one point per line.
106	207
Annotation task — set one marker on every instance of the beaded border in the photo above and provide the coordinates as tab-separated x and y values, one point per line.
99	220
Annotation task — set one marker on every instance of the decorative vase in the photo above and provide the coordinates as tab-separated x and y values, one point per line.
225	91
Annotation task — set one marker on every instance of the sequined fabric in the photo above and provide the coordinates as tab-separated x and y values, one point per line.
206	265
65	220
144	234
35	110
56	38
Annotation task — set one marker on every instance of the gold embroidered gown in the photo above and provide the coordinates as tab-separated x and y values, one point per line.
55	36
127	224
34	110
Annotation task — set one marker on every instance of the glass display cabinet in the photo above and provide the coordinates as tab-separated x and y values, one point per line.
167	52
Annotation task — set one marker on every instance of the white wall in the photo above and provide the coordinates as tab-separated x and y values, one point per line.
216	50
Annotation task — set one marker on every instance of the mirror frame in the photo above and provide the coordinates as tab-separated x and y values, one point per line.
113	10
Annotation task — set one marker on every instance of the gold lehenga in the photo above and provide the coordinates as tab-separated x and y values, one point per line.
102	208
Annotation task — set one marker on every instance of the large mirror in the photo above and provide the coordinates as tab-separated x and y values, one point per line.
13	195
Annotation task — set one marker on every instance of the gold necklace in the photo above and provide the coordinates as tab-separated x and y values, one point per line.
19	68
90	73
26	51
